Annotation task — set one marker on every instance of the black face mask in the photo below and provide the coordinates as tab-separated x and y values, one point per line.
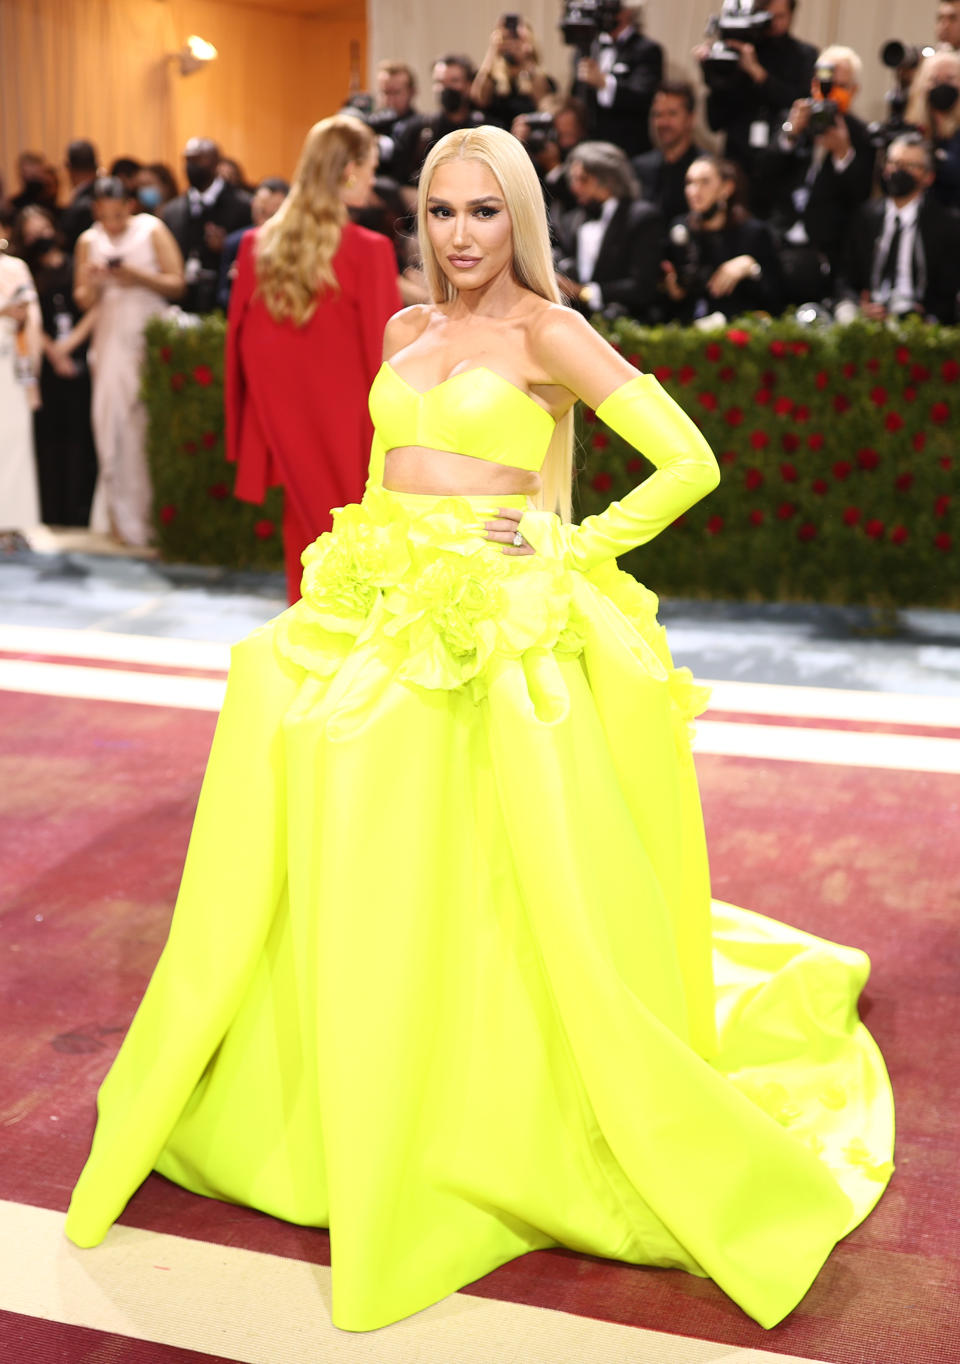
897	184
452	101
200	177
943	97
716	208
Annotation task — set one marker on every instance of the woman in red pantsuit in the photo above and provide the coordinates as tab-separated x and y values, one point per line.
309	304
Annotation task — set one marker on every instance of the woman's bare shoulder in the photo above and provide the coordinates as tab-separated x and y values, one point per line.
405	326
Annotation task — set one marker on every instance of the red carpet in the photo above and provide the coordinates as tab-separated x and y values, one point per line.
96	801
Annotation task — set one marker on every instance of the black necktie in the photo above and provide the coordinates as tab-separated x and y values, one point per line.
888	275
592	210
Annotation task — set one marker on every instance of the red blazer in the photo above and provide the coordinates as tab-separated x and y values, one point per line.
296	397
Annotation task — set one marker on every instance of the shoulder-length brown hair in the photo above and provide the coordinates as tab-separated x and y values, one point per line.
296	247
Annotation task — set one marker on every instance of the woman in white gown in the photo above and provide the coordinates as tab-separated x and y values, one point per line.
20	347
130	266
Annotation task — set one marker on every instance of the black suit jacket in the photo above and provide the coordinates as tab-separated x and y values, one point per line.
938	233
77	216
834	197
231	211
661	183
638	68
628	263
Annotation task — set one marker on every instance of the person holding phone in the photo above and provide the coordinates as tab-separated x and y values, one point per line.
129	265
19	364
510	81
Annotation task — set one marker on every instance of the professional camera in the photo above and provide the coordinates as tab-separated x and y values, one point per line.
542	130
584	20
901	59
739	21
823	112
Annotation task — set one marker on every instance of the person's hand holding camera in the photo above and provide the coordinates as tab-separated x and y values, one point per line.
749	62
836	139
798	120
589	73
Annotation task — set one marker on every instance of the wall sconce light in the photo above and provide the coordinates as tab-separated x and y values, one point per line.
195	54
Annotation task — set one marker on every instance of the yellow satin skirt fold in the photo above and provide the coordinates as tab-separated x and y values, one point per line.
444	974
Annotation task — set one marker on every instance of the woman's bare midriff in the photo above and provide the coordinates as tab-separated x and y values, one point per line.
442	473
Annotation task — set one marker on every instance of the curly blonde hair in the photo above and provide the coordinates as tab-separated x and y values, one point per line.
296	247
507	160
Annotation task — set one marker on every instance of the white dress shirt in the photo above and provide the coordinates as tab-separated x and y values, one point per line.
589	240
607	61
907	290
205	198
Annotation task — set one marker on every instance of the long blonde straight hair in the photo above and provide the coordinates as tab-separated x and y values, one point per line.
296	247
507	160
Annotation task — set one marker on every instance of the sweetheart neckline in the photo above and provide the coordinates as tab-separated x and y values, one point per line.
475	369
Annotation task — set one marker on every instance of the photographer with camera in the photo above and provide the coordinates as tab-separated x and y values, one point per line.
662	172
903	254
549	136
396	122
608	247
819	172
948	26
754	70
615	76
935	109
510	81
719	262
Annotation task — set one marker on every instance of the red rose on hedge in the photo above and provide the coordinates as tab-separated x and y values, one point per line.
728	457
903	482
868	459
790	442
873	364
841	403
899	535
950	371
713	352
909	394
939	413
634	466
807	531
942	505
726	374
815	440
801	413
218	491
874	529
752	480
783	406
946	462
820	486
715	525
756	517
920	442
589	416
768	378
919	373
878	395
203	375
786	510
943	541
177	381
822	379
686	374
851	516
759	440
662	373
708	400
842	470
168	514
733	416
903	355
600	440
778	348
788	472
635	360
210	439
264	529
893	422
737	337
800	348
762	397
848	370
602	482
166	354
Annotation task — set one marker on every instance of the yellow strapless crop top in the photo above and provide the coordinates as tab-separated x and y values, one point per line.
476	412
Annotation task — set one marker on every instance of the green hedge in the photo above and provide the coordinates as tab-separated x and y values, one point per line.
837	448
198	520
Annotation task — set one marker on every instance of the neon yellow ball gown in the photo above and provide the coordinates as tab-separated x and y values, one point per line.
444	974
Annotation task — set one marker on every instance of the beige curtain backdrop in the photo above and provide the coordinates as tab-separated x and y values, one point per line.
419	30
102	69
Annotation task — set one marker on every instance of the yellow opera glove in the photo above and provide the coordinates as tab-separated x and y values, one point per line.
686	470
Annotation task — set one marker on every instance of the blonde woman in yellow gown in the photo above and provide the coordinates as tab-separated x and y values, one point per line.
444	975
